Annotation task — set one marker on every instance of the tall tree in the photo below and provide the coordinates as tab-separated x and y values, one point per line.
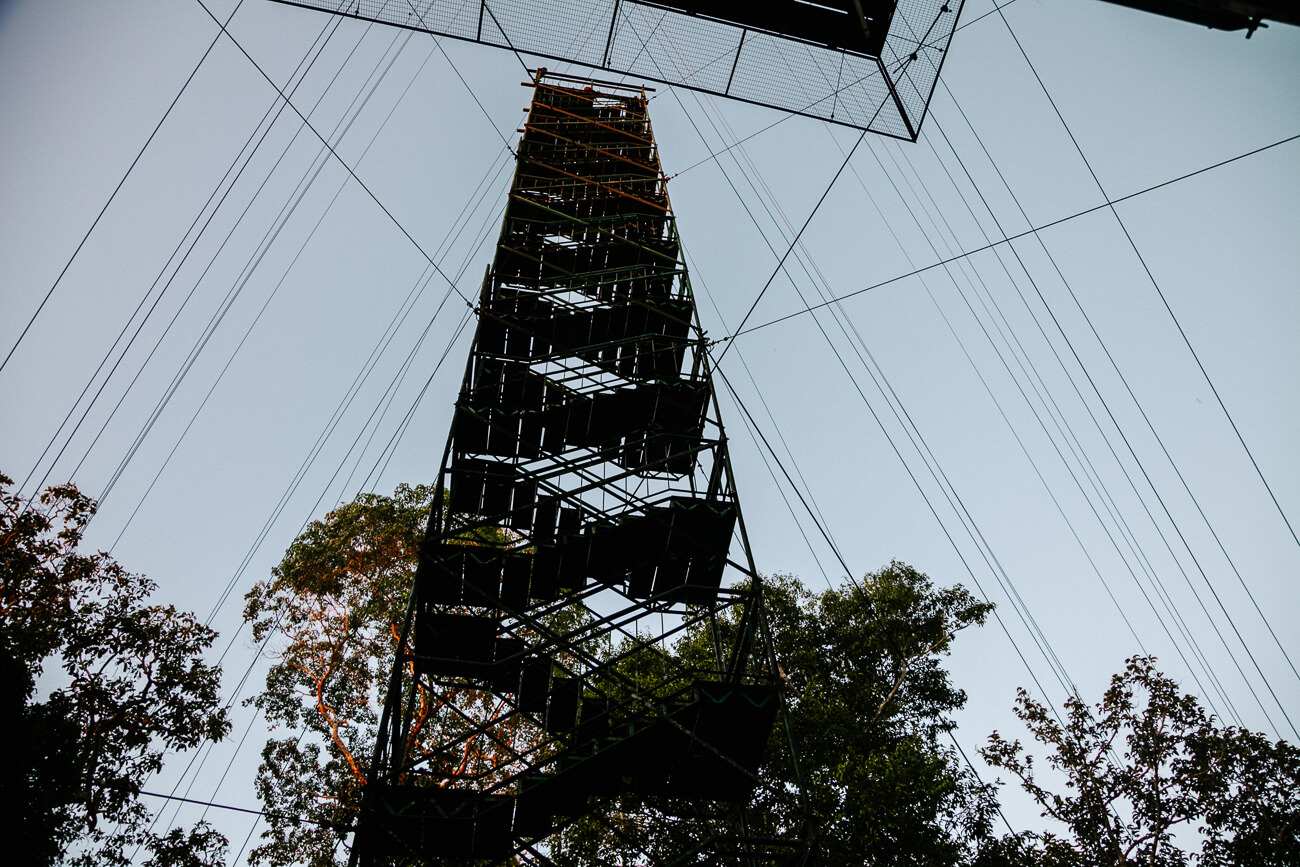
331	615
136	687
333	611
868	702
39	780
1150	775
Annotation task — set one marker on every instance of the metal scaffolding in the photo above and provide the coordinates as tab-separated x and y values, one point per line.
585	665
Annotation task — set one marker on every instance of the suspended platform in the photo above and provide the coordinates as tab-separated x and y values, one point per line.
868	64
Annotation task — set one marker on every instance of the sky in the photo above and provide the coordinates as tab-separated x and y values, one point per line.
1056	421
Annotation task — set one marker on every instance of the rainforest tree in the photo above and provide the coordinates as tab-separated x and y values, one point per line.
134	686
1151	778
330	617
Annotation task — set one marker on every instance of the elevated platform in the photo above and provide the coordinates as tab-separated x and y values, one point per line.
868	64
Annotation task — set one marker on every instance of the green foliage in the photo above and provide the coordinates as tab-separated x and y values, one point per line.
331	615
137	686
333	611
869	699
39	781
200	846
861	665
1148	771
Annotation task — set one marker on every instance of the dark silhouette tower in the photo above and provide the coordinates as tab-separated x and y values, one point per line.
586	668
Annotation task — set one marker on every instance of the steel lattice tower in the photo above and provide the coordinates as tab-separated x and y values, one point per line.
576	669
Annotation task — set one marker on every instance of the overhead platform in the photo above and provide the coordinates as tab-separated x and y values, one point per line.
868	64
1222	14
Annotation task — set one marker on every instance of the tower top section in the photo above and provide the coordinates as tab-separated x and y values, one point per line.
867	64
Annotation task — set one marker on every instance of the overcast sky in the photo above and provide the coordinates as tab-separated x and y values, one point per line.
1063	418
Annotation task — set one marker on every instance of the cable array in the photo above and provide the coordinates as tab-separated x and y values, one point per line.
954	268
374	422
1093	479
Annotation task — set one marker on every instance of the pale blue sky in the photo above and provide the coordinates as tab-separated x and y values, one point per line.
1147	99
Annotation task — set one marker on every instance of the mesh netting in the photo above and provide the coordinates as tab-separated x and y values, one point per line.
887	95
